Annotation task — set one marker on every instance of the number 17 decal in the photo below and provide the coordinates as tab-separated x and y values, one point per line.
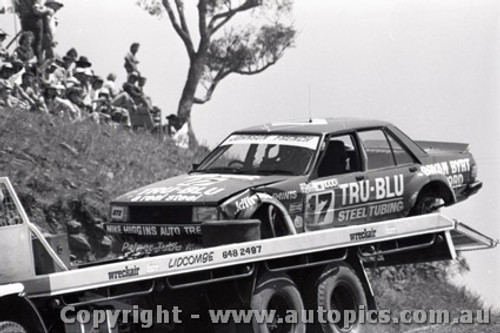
320	208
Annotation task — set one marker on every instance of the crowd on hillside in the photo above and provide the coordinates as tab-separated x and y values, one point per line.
33	77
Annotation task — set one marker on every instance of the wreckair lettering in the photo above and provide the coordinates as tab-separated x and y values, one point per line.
123	273
365	234
189	260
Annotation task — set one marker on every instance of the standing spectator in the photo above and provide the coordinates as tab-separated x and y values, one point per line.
131	60
110	84
4	54
49	29
24	51
40	12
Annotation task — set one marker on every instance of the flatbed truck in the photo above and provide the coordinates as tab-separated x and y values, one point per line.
322	269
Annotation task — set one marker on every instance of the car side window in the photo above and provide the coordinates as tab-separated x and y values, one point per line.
400	154
377	148
341	156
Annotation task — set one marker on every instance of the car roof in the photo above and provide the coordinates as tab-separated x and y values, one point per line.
316	126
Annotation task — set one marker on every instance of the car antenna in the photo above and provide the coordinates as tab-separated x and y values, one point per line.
309	96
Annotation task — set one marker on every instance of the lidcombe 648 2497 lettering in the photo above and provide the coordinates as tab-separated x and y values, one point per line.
302	176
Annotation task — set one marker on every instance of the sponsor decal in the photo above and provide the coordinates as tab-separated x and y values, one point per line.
245	203
365	234
152	230
453	170
298	222
124	273
288	195
190	260
296	207
306	141
158	247
318	186
381	188
117	213
375	210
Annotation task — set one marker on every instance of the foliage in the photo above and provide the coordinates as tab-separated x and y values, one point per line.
248	45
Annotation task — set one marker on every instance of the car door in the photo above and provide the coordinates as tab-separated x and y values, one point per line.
390	169
335	174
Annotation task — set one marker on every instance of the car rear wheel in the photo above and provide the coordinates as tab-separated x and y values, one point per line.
427	203
11	327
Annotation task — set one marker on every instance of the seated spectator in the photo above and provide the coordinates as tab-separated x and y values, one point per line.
111	85
24	51
4	54
96	85
7	101
28	93
178	130
58	106
131	61
104	106
84	75
83	62
135	92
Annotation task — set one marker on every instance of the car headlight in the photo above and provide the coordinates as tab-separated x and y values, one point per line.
119	213
201	214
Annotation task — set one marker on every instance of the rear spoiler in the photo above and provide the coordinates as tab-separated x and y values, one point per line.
443	146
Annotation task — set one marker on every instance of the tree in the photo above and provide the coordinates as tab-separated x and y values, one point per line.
246	45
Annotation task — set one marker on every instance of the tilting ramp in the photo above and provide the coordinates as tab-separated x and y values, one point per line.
466	238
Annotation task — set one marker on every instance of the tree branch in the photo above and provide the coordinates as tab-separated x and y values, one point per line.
213	26
184	35
180	9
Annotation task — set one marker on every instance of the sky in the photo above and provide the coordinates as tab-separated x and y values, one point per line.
431	67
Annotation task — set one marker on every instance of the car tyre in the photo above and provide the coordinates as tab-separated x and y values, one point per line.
427	203
277	292
337	289
11	327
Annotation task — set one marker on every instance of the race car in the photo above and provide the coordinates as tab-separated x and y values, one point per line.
297	177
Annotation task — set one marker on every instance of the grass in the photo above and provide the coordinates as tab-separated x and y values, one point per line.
70	171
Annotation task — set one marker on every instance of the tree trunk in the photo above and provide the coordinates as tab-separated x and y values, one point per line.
188	93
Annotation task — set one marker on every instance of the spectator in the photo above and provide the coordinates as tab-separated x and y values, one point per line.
4	54
6	71
131	60
49	29
111	85
135	92
59	106
95	87
7	101
40	12
24	51
28	92
178	131
83	62
104	106
83	75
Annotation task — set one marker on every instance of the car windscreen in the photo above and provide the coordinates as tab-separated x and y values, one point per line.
262	154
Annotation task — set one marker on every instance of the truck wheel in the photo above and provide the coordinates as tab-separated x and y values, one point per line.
11	327
427	203
278	293
336	292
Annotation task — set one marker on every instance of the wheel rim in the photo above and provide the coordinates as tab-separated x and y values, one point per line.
343	298
279	303
430	205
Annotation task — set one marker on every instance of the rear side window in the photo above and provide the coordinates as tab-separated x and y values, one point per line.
400	154
377	148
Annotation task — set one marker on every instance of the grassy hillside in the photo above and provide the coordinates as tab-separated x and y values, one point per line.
65	172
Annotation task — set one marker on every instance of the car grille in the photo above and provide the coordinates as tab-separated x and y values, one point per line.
161	214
